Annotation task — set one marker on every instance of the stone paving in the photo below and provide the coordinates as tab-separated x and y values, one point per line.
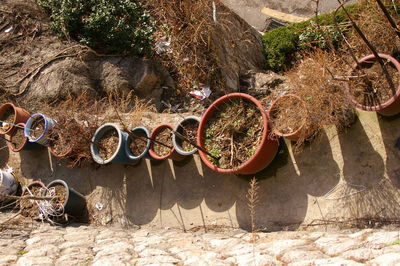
89	245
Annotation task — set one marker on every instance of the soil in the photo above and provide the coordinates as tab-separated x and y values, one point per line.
37	128
372	87
60	193
108	144
163	136
288	115
18	138
234	133
189	130
29	207
8	116
138	143
60	143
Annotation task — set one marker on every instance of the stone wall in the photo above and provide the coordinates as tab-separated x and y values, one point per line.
353	174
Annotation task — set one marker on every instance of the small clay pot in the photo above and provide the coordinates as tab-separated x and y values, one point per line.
173	155
20	116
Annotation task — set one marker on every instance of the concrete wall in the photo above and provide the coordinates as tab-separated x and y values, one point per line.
352	174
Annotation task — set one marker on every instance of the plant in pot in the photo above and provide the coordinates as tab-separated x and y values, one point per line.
17	140
10	115
30	207
234	130
138	144
108	145
371	90
161	146
289	118
38	127
186	135
65	201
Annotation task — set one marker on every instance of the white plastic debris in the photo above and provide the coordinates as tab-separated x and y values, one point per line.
8	30
202	94
9	170
99	206
162	46
5	126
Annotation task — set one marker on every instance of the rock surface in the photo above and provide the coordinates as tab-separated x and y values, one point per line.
80	244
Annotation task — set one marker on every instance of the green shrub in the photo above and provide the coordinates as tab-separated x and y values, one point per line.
108	26
281	44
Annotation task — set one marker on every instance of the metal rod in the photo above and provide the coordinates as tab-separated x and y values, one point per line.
149	138
389	17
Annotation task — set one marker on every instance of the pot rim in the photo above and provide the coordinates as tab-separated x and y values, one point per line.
9	104
62	182
175	138
395	63
210	111
98	135
299	129
29	124
152	136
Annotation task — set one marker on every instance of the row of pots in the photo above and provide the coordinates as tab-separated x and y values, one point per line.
123	153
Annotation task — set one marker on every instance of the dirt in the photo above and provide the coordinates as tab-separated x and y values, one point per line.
60	143
138	143
8	116
37	128
288	115
60	194
108	144
18	138
29	207
189	130
233	133
164	136
372	88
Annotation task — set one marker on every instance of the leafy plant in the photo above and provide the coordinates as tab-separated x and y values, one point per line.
109	26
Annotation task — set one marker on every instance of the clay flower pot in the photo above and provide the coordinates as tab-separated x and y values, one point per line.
29	207
390	107
264	152
275	109
23	145
180	128
172	154
20	116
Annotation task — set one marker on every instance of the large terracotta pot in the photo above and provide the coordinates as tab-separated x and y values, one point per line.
20	116
263	155
173	155
388	108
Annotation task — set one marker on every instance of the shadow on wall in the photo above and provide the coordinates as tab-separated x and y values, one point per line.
390	128
284	191
4	153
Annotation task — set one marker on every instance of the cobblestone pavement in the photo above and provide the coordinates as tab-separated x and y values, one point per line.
89	245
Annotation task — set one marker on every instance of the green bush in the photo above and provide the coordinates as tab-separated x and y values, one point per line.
281	44
108	26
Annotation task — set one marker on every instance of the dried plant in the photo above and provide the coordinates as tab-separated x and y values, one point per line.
252	201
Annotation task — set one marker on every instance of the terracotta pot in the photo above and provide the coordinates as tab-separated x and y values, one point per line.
388	108
296	134
20	116
66	154
173	155
26	145
26	193
265	152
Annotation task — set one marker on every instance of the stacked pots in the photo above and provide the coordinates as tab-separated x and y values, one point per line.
10	116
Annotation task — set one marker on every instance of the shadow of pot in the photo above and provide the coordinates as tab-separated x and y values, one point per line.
138	133
20	116
74	203
119	156
23	145
265	151
173	155
48	124
390	107
296	133
177	141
